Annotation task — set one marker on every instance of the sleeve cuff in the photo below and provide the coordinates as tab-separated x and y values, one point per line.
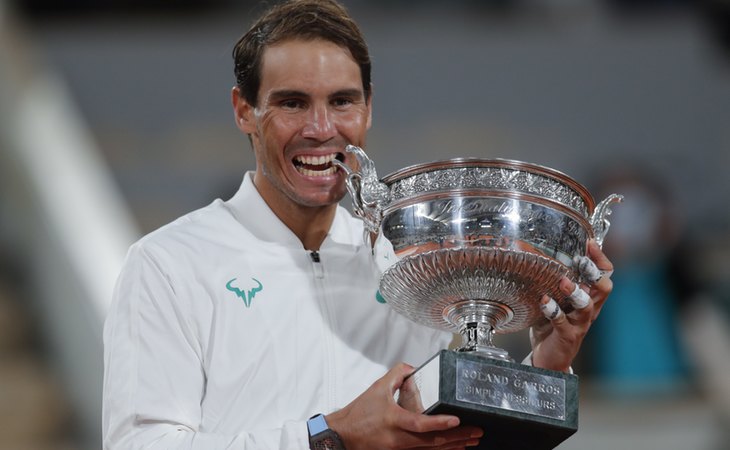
528	362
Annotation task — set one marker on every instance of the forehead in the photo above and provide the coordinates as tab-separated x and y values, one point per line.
309	64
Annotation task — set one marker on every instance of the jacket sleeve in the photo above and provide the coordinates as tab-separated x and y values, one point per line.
154	378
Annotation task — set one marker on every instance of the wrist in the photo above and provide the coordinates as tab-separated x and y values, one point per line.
528	361
322	436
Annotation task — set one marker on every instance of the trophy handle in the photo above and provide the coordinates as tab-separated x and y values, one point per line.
369	195
599	221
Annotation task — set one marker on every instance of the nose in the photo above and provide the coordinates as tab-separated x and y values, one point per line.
319	124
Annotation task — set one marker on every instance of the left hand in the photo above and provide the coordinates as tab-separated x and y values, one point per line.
556	341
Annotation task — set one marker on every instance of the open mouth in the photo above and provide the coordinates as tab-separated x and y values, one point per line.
317	166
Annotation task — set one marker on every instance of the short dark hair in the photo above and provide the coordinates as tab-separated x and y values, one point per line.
297	19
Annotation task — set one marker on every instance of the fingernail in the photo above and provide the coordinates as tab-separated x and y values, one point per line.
477	434
453	422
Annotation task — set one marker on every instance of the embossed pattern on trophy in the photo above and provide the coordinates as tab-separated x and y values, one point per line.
477	241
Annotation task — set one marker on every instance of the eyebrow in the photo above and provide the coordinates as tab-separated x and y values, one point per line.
293	93
355	93
286	93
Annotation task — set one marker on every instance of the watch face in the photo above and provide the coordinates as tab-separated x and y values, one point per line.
321	437
317	424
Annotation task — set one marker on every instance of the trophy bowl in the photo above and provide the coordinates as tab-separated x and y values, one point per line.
471	245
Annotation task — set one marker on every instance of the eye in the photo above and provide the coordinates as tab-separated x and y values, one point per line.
292	104
342	102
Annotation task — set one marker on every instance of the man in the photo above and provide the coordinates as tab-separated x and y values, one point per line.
235	324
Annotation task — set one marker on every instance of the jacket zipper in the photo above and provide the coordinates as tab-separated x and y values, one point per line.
330	358
317	264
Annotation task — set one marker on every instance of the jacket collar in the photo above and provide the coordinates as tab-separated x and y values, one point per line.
250	209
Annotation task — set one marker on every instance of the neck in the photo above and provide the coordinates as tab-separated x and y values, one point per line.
310	225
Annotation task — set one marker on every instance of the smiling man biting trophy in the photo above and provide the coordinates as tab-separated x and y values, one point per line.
478	247
255	322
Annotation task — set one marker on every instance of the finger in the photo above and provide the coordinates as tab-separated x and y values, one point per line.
603	287
411	420
590	270
420	423
598	257
551	310
466	436
579	298
409	396
582	303
587	269
600	292
460	445
395	377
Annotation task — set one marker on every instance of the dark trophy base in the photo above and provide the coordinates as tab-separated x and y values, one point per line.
517	406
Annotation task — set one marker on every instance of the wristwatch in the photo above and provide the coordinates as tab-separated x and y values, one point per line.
321	436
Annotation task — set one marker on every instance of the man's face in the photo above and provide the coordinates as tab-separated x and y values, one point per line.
311	104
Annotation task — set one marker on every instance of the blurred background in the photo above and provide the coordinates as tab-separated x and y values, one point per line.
115	118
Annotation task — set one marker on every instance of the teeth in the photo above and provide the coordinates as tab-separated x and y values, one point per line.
315	160
317	173
308	160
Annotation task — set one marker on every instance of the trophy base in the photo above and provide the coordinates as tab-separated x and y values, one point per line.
517	406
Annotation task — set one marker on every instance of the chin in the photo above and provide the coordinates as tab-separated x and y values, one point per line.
323	200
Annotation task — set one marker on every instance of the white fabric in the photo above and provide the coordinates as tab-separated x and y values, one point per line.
528	362
191	365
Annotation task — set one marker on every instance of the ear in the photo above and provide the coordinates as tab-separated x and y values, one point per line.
370	108
243	112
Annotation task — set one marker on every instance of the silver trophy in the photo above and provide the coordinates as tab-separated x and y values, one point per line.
470	246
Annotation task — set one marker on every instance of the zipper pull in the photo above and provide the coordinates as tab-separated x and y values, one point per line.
317	263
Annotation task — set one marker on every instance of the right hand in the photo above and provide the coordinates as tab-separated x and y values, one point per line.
375	421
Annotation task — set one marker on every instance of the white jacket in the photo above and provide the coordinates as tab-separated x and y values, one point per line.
224	333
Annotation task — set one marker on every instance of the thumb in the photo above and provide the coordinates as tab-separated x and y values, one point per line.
395	377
